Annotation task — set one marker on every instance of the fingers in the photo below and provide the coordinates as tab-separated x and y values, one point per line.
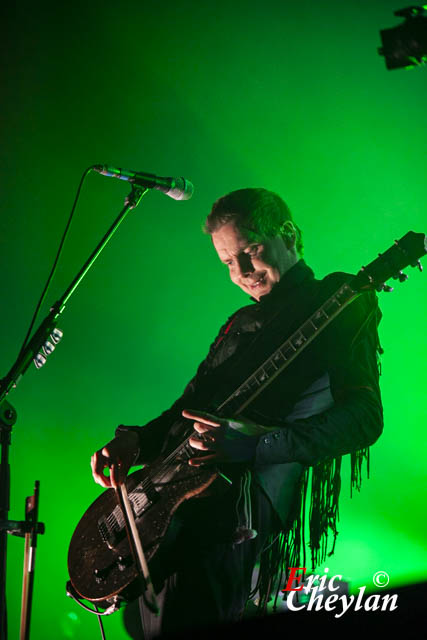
198	462
198	444
117	456
206	425
98	463
202	428
107	459
203	419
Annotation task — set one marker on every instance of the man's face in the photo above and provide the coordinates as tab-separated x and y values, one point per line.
255	262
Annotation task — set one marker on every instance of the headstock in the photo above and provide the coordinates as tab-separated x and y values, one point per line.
405	252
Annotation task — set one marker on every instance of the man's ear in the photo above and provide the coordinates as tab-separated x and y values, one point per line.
289	233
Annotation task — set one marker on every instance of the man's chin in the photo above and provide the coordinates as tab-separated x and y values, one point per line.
259	291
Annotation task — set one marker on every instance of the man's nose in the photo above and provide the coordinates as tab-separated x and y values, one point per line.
245	264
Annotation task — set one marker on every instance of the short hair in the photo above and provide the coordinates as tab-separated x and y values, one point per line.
254	209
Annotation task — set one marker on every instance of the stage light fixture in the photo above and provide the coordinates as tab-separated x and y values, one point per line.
405	46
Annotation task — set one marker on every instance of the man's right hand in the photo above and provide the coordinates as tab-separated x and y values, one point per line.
118	456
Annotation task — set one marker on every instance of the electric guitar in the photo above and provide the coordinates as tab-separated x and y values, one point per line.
101	567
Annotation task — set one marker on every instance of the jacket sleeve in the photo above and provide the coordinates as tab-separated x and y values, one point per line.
355	420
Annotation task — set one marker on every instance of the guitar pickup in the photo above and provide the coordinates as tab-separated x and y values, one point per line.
110	530
112	527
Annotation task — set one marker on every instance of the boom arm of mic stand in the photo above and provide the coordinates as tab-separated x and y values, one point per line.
49	323
7	412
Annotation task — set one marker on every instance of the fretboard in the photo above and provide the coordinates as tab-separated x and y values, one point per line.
287	352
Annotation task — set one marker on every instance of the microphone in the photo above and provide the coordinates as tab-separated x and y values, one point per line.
176	188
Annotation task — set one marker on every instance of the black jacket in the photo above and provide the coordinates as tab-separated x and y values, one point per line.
325	404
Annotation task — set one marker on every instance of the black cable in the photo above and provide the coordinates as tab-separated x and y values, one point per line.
72	593
101	626
55	264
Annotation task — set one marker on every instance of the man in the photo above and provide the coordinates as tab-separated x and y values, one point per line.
325	404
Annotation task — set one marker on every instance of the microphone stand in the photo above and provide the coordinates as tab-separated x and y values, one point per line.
37	349
33	528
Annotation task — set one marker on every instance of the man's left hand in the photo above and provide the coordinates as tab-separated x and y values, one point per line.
225	438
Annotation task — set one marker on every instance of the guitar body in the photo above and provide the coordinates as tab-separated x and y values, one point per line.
100	562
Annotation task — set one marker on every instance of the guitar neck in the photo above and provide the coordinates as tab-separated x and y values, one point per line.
280	359
288	351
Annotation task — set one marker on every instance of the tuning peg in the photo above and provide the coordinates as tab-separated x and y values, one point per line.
418	264
384	287
400	276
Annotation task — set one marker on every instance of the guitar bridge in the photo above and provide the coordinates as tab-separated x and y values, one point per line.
110	530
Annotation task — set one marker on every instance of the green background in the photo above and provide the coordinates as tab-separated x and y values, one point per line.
290	96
